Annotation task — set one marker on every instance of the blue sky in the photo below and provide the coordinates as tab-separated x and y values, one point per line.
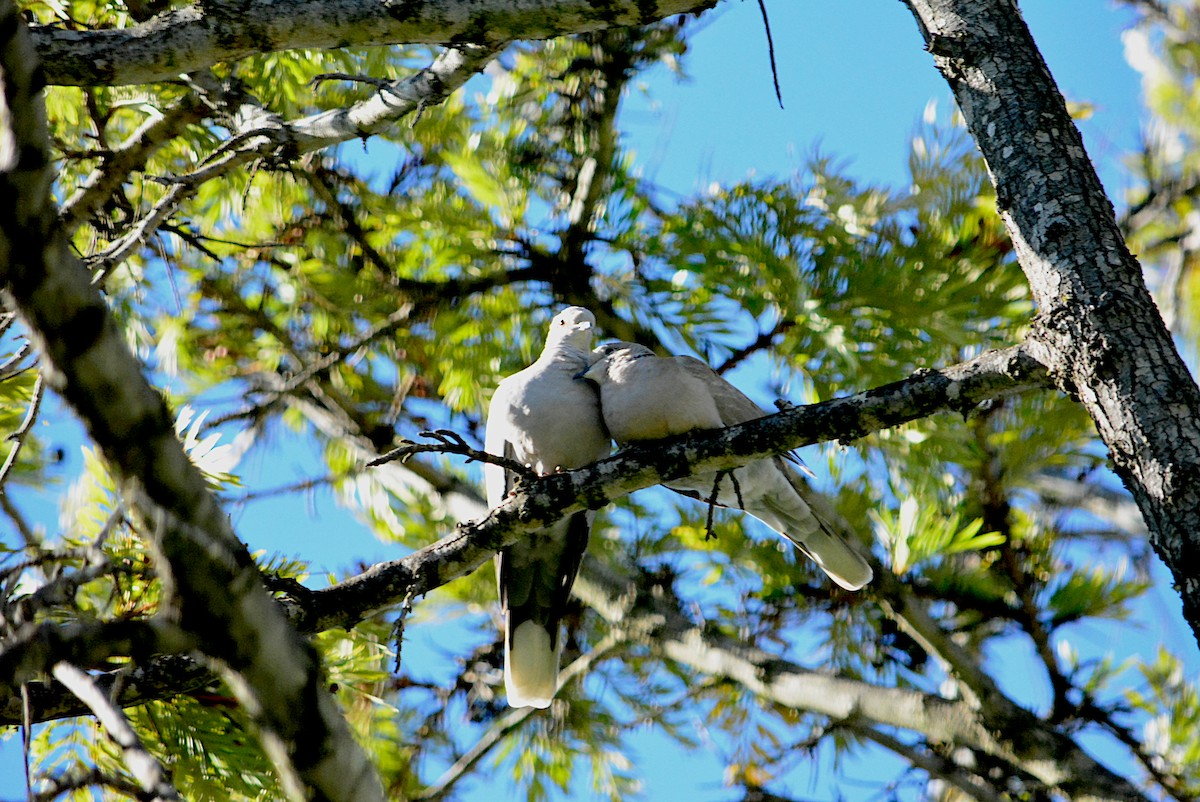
855	82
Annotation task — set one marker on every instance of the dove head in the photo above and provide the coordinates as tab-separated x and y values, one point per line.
572	327
609	359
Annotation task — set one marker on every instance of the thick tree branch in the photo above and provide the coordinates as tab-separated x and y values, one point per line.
259	133
201	35
1098	330
210	578
162	676
33	650
396	99
958	388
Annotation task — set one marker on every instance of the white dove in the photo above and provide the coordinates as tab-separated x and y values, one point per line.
545	418
647	397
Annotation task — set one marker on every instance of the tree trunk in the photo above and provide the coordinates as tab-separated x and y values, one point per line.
1097	330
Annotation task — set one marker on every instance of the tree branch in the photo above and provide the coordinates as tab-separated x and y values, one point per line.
547	499
256	133
162	676
957	388
1023	742
34	649
144	766
132	154
208	574
1098	331
936	766
203	34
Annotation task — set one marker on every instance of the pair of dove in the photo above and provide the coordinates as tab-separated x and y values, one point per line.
550	417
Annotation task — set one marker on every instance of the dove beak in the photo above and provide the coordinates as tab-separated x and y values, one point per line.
586	375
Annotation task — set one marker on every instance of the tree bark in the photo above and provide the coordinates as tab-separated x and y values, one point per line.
1097	329
200	35
211	584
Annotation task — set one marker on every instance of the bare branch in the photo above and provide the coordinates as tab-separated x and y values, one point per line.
9	367
395	100
141	764
450	443
203	34
209	575
132	154
260	134
771	51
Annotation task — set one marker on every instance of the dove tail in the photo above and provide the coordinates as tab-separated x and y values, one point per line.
530	665
791	516
535	578
833	555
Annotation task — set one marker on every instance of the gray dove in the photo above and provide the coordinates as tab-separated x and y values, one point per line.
545	418
647	397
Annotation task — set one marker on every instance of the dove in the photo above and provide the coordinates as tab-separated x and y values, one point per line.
544	418
646	397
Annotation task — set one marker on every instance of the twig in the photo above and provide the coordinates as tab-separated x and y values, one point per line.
53	787
398	629
119	251
59	587
26	736
737	489
6	370
508	722
450	443
255	141
130	155
310	372
141	764
294	487
32	541
6	321
712	508
771	51
18	437
760	342
379	83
